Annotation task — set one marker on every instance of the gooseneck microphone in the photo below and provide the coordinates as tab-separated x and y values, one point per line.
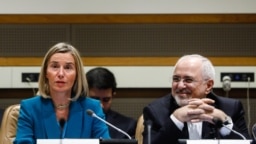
91	113
218	123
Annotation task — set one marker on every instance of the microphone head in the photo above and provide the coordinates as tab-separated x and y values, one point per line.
226	85
89	112
62	122
149	122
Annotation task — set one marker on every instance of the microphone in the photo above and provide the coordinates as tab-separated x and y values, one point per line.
62	122
218	123
226	84
91	113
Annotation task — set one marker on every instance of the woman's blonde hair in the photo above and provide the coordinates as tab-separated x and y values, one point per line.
80	87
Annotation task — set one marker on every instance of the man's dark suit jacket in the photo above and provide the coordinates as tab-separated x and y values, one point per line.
164	130
122	122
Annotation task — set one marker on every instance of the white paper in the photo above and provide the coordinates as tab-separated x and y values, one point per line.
218	141
68	141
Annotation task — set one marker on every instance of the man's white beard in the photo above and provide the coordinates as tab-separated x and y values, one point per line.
181	102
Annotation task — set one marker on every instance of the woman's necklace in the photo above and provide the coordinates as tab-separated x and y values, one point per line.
62	106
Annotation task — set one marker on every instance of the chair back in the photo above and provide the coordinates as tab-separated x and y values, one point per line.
9	124
139	130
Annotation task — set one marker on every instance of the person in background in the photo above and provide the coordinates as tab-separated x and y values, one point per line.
192	110
60	109
102	86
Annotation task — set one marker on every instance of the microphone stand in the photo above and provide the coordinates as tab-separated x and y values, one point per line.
217	134
91	113
62	123
235	132
218	124
149	125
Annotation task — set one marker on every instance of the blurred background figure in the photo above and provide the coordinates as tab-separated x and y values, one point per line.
102	86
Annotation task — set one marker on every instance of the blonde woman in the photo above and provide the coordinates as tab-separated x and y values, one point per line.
59	111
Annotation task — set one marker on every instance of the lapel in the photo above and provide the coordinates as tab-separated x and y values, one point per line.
50	121
172	104
208	131
74	124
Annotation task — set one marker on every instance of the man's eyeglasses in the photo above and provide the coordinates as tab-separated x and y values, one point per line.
187	80
104	99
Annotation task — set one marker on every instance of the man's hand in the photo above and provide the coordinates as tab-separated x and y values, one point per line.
199	110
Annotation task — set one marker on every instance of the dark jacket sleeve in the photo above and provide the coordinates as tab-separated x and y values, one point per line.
234	109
